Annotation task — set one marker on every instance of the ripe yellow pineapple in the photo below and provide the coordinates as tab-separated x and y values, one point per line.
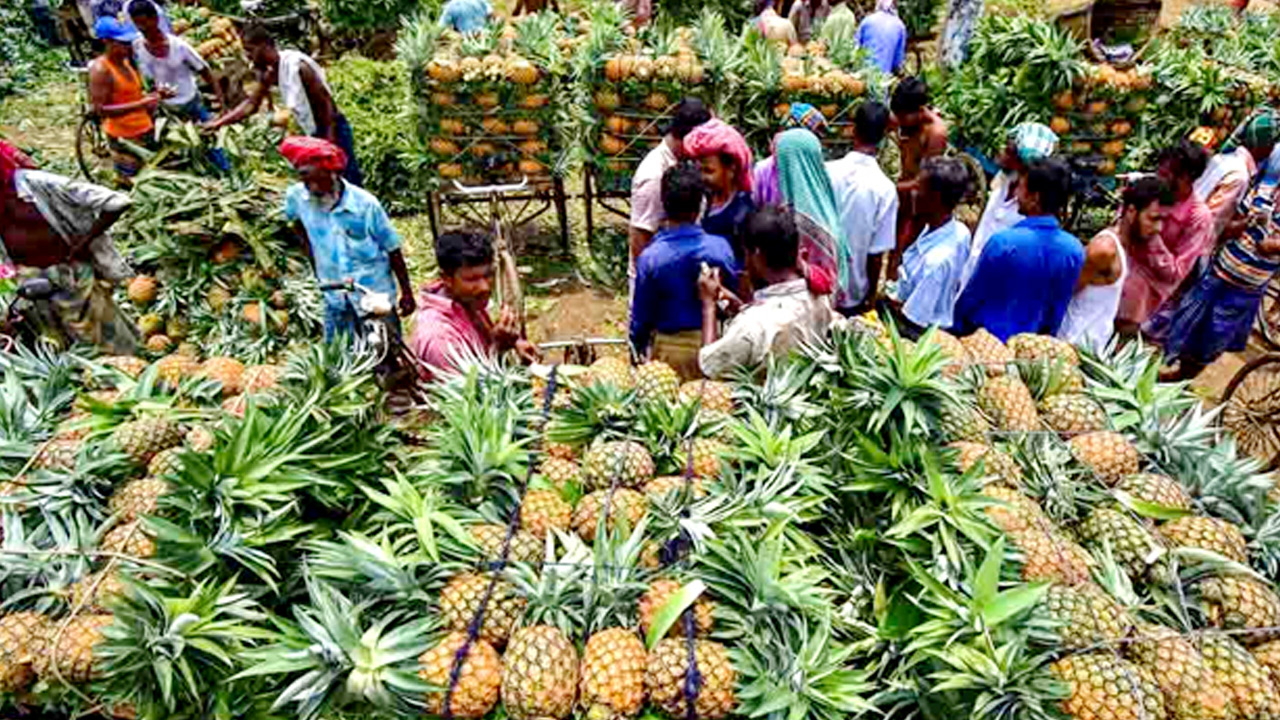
1073	413
137	498
128	364
624	503
58	454
1207	533
159	343
986	350
1253	693
543	511
1268	656
712	395
1105	686
72	655
955	351
657	381
659	592
1016	512
1038	348
613	370
200	439
1087	616
1156	489
626	462
166	462
613	666
1049	555
525	547
95	592
560	472
961	422
1241	603
227	371
173	369
706	457
22	637
540	674
1108	454
1133	546
130	538
261	378
660	486
1009	404
668	667
1190	689
142	290
560	451
143	438
995	463
460	600
479	680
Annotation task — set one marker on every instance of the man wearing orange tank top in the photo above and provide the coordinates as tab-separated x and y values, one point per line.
115	88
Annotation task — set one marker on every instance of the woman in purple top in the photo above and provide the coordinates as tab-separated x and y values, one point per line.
884	36
764	175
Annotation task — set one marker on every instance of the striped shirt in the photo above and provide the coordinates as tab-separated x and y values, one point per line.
1241	261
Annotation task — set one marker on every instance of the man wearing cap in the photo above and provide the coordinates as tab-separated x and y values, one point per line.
1027	143
646	186
346	231
115	88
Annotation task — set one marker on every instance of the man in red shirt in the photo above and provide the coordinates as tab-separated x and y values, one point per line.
452	324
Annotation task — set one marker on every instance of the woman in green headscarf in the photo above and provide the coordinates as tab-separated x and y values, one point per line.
806	189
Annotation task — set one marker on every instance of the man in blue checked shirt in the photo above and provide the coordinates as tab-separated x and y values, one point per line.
348	233
666	310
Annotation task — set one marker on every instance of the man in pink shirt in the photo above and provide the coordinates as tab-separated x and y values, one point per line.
452	323
1158	267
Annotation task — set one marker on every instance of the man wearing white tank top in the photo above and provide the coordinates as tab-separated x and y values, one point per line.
1091	316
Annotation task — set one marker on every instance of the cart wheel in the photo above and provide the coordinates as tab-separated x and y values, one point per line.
1268	325
92	153
1251	409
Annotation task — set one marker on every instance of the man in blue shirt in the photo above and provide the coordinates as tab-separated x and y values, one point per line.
466	16
666	311
1026	275
884	36
347	232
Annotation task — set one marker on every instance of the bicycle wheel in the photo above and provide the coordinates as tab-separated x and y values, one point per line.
1268	324
1251	409
92	152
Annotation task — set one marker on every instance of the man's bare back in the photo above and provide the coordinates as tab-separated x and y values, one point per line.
930	140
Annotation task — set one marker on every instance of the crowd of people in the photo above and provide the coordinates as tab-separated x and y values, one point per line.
732	258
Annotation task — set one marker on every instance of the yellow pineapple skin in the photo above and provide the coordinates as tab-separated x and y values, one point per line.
22	637
665	677
1088	617
1105	686
1050	556
543	511
1109	455
995	462
72	654
1253	693
1190	689
1242	603
624	503
227	371
613	667
1009	404
1207	533
479	682
657	595
460	600
540	677
657	381
137	498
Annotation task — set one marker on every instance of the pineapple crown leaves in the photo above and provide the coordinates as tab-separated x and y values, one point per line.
41	564
333	655
376	569
553	592
166	647
1065	489
335	380
616	581
806	674
415	505
30	407
1006	680
416	42
949	516
597	410
225	546
674	517
80	492
783	397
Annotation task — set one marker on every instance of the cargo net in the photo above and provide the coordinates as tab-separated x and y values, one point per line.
672	553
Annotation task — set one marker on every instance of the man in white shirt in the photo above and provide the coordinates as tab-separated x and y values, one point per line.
1027	143
868	203
784	313
646	185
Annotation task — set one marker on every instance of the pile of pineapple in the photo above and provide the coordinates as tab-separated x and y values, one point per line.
214	37
1097	117
488	100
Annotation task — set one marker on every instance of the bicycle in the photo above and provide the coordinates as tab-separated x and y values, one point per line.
376	330
509	292
93	153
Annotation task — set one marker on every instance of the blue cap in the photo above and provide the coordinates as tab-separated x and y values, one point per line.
109	28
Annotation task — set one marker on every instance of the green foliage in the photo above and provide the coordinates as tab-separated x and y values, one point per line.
920	16
24	57
681	12
374	97
373	14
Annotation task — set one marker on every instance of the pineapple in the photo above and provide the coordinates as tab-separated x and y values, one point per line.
200	439
166	462
960	422
1073	413
460	601
130	539
1015	512
706	457
142	439
137	498
1042	348
996	463
72	655
714	396
159	343
560	472
1048	555
58	454
1207	533
540	677
954	349
173	369
625	462
1156	489
142	290
1241	603
659	592
666	673
542	511
560	451
261	378
661	486
613	670
986	350
1087	616
1134	547
623	503
1190	689
127	364
1249	684
478	683
612	370
227	371
1108	454
21	639
525	546
96	591
1105	686
657	381
1267	654
1009	404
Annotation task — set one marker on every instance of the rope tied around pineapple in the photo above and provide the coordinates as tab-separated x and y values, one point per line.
496	567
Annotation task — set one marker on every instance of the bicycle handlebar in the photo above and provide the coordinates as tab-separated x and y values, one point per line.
491	189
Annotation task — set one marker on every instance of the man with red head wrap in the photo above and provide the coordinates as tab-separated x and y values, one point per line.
346	231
